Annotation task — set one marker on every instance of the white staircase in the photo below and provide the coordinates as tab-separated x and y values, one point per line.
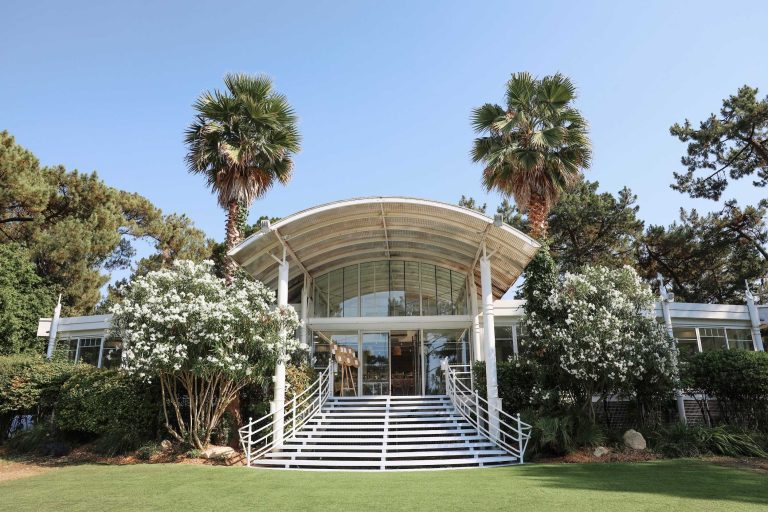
387	432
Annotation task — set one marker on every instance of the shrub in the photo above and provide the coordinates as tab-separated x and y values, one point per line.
41	440
146	451
738	379
519	383
97	401
194	453
693	441
30	385
118	442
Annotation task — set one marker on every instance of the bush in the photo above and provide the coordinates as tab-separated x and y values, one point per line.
518	381
738	379
146	451
29	384
694	441
97	401
118	442
41	440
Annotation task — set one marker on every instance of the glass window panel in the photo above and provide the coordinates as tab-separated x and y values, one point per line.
505	347
712	339
71	345
740	339
336	293
113	351
89	351
375	363
439	344
351	291
397	288
443	287
459	293
687	343
374	288
321	296
351	384
428	297
412	297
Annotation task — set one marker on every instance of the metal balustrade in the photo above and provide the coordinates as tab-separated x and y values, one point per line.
257	437
508	432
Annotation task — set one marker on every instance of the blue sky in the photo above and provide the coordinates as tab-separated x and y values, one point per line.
383	89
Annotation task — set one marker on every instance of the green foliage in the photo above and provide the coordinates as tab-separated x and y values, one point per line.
519	381
738	379
24	298
559	434
694	441
708	257
534	147
591	228
30	385
119	441
98	401
146	451
76	229
41	440
194	453
733	144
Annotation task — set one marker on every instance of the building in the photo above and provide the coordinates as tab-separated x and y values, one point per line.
408	285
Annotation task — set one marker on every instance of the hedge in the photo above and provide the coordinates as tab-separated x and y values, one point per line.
98	401
737	379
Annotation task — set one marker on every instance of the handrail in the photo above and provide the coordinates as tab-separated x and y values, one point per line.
296	413
508	432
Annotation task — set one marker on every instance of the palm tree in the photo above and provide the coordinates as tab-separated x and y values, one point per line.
243	141
535	148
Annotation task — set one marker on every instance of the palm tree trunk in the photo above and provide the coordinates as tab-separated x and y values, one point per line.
537	215
233	238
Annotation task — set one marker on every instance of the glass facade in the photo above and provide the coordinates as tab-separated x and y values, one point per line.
390	288
89	350
393	362
706	339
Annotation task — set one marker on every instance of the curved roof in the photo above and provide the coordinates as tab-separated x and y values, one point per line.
341	233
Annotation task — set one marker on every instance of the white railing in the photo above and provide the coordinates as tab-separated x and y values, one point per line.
257	437
508	432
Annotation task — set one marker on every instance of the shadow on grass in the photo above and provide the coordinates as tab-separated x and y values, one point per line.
679	478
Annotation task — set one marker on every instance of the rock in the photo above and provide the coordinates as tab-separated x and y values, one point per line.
601	451
218	452
634	439
165	445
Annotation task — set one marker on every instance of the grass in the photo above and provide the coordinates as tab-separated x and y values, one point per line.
671	485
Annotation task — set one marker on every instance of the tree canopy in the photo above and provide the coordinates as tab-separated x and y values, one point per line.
535	146
76	229
731	145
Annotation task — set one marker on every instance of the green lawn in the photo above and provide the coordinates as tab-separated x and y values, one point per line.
670	486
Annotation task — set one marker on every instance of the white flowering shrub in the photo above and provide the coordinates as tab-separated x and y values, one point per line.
594	334
202	340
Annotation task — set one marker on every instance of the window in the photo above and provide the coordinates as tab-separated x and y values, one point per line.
687	342
505	342
739	339
89	351
390	288
712	339
113	351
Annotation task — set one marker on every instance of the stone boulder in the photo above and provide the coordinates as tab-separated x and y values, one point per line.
601	451
218	453
634	440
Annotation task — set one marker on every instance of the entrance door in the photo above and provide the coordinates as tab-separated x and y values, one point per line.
375	363
404	360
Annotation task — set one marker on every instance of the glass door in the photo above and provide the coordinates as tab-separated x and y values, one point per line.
439	344
404	361
375	363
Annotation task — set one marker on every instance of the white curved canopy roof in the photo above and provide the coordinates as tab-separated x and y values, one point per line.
341	233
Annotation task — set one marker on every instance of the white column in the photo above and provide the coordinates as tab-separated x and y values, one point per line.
304	331
754	320
279	400
477	337
666	298
489	344
53	329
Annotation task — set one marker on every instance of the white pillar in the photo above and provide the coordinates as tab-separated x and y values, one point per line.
666	298
489	344
754	320
477	337
53	329
279	400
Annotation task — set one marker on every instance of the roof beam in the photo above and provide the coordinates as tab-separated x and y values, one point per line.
386	236
289	250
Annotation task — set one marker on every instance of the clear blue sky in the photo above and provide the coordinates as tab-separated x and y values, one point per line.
383	89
